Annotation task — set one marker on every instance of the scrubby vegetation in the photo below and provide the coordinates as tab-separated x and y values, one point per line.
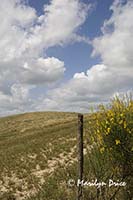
111	132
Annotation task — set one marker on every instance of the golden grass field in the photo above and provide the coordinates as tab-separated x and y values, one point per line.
33	147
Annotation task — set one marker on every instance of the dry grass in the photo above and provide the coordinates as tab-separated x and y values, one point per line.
32	147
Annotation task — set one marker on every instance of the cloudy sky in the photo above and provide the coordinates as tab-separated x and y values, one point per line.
64	55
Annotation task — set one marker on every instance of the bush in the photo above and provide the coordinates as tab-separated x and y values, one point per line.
111	129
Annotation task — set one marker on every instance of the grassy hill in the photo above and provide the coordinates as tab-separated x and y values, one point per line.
37	154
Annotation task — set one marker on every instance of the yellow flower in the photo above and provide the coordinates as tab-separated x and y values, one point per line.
112	119
125	124
108	131
107	122
117	141
102	149
121	122
100	139
98	131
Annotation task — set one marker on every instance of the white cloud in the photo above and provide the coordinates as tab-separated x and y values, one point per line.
16	20
42	71
58	24
17	101
24	37
22	64
115	73
61	20
115	46
82	91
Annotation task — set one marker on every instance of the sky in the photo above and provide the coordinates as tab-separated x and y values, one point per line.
64	55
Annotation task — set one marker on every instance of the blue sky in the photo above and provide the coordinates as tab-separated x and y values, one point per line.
64	55
91	29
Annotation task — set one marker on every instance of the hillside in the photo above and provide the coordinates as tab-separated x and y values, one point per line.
33	147
38	154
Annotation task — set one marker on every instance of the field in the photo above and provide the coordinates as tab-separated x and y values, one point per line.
34	148
38	154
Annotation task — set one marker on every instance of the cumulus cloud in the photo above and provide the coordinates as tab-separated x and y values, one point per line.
42	71
112	76
24	37
115	46
16	20
61	21
81	92
23	32
23	66
17	101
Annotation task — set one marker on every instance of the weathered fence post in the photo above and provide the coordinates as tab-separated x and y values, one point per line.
80	154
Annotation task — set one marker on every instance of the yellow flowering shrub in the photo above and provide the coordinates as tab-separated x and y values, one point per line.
112	130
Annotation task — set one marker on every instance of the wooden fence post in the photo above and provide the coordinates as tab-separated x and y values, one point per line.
80	154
